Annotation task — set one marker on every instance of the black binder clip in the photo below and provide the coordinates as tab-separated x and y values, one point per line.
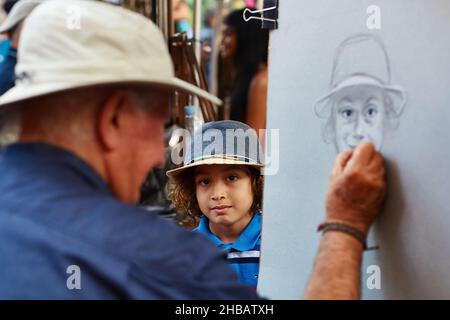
268	15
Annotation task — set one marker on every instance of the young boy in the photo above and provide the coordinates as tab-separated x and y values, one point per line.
224	188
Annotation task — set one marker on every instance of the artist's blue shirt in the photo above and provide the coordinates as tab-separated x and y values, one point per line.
57	215
7	76
244	253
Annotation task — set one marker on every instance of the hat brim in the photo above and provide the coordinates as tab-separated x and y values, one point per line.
212	161
19	12
9	24
322	106
21	93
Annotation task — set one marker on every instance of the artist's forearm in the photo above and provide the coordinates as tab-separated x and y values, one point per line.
337	270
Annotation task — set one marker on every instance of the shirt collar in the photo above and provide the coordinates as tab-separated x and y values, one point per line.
247	240
36	153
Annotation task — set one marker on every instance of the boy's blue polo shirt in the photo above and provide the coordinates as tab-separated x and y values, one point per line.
244	253
56	212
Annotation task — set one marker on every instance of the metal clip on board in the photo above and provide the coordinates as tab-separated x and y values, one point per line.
268	15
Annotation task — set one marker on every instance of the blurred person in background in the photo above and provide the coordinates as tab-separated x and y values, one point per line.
12	27
5	43
181	16
208	37
246	45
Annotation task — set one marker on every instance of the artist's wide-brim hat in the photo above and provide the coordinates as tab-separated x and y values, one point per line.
73	44
208	146
361	60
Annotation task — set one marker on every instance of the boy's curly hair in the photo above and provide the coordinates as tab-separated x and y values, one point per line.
181	191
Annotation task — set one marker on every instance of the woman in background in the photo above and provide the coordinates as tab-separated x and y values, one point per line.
246	45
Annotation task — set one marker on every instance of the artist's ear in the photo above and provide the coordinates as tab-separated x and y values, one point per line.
111	120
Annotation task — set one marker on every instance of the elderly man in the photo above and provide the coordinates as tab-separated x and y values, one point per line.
86	118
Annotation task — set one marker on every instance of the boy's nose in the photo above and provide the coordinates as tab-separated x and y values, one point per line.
218	192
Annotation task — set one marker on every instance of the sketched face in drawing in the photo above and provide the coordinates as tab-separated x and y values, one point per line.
361	103
359	116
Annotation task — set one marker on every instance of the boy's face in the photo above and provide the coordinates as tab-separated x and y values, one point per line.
359	115
224	195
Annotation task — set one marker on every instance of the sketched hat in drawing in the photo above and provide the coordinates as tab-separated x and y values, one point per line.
361	59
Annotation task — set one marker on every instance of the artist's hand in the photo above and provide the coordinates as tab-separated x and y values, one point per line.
357	187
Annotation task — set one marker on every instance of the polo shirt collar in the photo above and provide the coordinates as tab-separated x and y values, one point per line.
247	240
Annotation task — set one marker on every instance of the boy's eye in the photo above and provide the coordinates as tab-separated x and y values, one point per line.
203	182
232	178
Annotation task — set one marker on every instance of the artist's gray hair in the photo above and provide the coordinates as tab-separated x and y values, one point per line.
65	106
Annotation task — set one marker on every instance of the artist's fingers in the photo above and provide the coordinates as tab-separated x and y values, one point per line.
377	167
362	155
377	161
341	161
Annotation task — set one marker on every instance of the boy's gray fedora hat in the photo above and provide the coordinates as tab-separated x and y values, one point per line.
222	142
